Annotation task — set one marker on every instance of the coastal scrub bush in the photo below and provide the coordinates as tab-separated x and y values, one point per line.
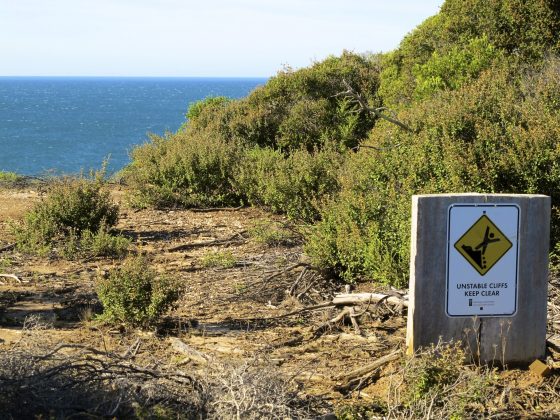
9	179
74	209
465	38
183	169
102	243
133	294
304	108
293	184
491	136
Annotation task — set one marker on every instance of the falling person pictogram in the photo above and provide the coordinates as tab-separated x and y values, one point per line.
477	254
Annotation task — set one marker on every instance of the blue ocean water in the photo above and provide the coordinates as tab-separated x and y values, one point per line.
65	125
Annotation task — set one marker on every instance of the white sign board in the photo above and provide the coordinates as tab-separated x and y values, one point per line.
482	259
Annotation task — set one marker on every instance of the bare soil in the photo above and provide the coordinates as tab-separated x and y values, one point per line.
230	314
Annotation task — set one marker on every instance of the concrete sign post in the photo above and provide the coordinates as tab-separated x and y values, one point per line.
478	274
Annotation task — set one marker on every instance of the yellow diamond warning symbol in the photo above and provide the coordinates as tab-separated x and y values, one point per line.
483	244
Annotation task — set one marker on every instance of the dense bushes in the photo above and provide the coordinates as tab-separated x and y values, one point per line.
279	147
497	136
478	83
464	39
294	184
180	169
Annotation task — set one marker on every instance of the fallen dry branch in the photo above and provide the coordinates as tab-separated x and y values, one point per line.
361	377
346	299
196	356
234	239
293	288
8	247
10	276
370	367
76	380
289	268
347	311
214	209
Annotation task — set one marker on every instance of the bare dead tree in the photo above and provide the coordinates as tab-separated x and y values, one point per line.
379	112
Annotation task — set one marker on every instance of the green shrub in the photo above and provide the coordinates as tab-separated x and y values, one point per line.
182	169
293	184
303	108
488	136
71	208
438	382
133	294
271	233
219	259
462	40
102	243
9	178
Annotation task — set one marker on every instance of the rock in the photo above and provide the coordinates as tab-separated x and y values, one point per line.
539	368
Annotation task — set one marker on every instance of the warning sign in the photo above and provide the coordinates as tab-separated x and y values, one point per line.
482	259
483	245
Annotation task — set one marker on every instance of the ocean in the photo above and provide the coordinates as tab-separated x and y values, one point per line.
68	125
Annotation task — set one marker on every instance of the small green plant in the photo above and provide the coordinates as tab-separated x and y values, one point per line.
219	259
5	263
102	243
9	178
76	212
133	294
438	382
271	233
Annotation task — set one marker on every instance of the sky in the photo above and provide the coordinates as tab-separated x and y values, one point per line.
186	38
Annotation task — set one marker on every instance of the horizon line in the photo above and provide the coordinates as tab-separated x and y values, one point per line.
126	77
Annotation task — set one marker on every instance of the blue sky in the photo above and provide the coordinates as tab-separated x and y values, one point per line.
194	38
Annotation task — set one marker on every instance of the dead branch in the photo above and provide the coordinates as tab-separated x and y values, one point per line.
213	209
362	103
289	268
8	247
370	367
193	354
234	239
312	282
354	321
357	298
292	290
10	276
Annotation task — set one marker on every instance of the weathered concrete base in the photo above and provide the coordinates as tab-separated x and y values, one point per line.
519	339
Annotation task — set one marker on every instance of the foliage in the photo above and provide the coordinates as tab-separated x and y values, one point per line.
290	121
219	259
184	169
102	243
293	184
133	294
74	209
465	38
271	233
478	83
9	178
200	113
454	69
302	109
496	135
437	381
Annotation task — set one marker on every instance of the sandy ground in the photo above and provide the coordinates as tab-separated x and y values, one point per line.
231	314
